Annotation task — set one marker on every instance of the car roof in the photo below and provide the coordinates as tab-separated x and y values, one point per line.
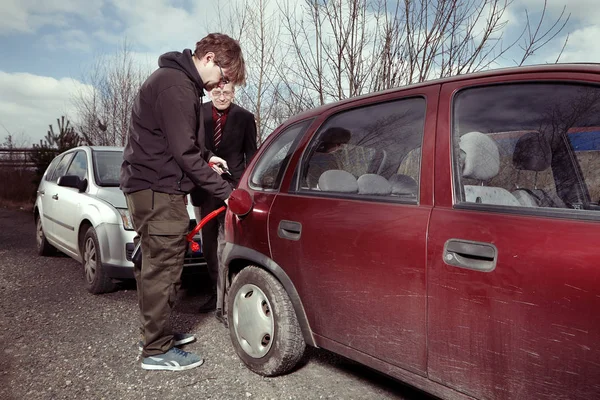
106	148
545	68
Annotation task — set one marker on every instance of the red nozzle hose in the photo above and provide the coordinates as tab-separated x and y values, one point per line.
190	236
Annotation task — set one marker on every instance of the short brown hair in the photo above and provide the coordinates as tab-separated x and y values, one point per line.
228	55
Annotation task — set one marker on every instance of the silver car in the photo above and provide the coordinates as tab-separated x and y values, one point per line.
81	211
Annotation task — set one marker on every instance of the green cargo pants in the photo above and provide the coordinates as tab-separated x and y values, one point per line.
161	221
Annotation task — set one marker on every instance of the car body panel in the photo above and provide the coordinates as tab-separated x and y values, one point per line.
355	291
375	285
529	328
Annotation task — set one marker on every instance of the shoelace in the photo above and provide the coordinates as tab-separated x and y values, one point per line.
180	352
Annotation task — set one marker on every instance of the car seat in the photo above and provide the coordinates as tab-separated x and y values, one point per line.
482	162
337	180
404	186
374	184
533	153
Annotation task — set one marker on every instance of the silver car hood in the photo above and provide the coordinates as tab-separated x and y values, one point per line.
115	197
112	195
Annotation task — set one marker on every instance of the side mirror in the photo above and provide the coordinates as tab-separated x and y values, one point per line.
240	202
72	181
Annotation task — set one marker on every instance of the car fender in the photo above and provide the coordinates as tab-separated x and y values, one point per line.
98	212
233	252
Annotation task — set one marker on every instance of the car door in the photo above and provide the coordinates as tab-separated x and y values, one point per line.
68	203
265	181
52	211
514	280
45	201
353	245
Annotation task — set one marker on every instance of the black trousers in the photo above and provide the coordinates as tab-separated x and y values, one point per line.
213	243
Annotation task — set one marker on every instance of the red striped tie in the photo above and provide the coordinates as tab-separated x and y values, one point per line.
218	130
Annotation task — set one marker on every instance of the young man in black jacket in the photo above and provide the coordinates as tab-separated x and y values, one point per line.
230	134
165	157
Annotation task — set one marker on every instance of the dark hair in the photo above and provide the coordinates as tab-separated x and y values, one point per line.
228	55
336	135
333	136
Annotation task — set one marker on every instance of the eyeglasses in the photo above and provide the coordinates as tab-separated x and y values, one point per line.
224	80
216	93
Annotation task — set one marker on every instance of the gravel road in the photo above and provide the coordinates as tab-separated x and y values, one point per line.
60	342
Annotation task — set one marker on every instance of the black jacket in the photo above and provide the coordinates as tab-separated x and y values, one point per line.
237	147
165	149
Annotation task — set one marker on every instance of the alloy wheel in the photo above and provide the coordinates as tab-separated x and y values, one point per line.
89	260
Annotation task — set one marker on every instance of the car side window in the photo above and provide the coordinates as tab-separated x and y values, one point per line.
371	151
61	167
529	145
52	167
79	165
269	170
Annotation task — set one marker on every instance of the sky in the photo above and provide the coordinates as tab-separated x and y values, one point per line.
48	47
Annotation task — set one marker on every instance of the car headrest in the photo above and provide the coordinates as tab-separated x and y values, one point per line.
532	153
374	184
403	185
337	180
480	155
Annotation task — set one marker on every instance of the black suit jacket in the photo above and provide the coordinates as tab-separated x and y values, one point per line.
238	143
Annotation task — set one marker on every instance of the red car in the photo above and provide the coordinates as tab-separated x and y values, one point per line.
442	233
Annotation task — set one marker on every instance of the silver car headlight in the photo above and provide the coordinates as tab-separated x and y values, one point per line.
126	218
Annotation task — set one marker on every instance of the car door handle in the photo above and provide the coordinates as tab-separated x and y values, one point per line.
42	192
477	256
55	196
290	230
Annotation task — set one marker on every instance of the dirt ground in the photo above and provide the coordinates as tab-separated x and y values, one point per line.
60	342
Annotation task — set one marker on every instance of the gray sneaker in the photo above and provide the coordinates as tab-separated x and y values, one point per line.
179	340
173	360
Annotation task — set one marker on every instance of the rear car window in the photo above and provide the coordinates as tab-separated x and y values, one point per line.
528	145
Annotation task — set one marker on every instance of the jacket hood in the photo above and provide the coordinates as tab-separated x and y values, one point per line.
183	62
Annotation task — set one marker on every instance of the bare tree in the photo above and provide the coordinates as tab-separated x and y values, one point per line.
104	109
343	48
256	25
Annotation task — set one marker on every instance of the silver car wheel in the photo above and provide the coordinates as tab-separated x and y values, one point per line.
253	321
89	260
39	238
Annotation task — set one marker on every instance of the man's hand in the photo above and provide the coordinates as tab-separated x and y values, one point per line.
218	164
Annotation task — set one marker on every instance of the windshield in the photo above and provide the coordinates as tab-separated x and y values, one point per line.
107	167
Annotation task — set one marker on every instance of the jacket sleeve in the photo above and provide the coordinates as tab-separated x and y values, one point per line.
250	139
176	114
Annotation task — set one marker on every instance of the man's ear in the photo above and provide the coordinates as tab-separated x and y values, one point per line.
208	57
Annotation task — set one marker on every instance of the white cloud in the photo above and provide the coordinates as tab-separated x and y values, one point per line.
27	16
583	46
71	39
161	26
29	103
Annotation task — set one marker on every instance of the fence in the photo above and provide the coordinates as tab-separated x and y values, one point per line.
16	158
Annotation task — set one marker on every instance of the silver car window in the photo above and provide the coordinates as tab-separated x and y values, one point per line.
61	168
79	165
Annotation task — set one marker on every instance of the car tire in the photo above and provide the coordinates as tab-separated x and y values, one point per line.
96	279
44	248
272	343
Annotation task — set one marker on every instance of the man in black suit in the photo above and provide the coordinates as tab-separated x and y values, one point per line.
230	134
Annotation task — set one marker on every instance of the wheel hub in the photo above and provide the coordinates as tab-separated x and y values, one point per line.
253	320
89	260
